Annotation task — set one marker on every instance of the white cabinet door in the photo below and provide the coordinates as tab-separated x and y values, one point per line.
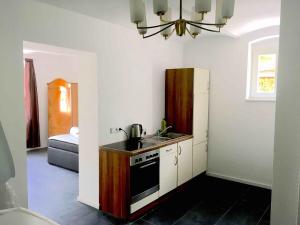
199	158
200	120
168	169
185	161
201	81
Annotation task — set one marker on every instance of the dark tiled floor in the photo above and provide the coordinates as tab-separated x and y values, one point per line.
210	201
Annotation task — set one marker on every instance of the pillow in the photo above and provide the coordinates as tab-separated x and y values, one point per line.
74	131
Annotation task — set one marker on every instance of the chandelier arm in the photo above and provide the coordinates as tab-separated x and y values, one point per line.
188	30
216	31
156	26
171	33
206	24
167	37
150	35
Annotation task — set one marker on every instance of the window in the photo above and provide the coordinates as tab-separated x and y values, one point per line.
266	73
262	69
64	100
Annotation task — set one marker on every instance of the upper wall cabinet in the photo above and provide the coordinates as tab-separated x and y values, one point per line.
179	99
187	97
201	81
200	106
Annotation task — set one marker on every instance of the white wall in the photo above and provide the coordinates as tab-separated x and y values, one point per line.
241	133
130	76
48	67
285	197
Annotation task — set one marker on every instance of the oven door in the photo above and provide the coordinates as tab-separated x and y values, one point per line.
144	179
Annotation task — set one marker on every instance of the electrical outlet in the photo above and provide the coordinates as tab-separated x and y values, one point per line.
114	130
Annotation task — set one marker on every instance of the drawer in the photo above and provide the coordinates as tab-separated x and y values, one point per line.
170	149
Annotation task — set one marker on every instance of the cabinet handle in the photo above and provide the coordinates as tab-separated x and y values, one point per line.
176	160
206	147
168	150
180	150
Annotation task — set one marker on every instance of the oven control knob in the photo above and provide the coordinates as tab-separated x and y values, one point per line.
140	159
136	160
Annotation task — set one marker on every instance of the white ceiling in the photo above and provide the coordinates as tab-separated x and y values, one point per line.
249	15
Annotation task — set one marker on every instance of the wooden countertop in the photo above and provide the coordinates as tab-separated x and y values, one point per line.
157	144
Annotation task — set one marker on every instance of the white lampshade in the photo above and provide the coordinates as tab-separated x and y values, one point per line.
166	17
160	7
137	10
143	24
203	6
7	169
219	17
195	17
228	8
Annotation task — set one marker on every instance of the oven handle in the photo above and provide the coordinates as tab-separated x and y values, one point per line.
150	164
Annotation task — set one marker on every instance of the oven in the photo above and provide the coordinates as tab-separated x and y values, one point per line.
144	175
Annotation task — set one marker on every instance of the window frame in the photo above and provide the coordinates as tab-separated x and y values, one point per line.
262	46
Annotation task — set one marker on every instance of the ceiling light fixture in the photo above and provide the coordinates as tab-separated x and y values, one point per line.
224	11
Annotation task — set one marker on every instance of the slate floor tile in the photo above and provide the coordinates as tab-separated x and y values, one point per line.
94	218
171	210
265	220
207	202
141	222
202	214
245	212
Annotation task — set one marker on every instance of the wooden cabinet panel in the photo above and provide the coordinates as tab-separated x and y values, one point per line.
179	99
74	102
200	121
59	107
114	184
199	158
185	161
62	107
168	169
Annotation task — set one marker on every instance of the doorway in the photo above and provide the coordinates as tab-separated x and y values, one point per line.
62	94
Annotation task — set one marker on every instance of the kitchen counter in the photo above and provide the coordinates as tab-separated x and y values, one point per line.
150	143
129	173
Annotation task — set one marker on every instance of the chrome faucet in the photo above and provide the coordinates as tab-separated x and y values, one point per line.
163	131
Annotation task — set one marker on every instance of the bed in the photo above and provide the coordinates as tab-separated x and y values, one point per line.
63	151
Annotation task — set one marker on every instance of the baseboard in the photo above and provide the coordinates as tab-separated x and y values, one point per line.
36	149
239	180
89	203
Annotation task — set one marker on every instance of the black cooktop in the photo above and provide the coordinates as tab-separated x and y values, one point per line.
129	145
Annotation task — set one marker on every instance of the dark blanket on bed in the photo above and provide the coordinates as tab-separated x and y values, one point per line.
63	151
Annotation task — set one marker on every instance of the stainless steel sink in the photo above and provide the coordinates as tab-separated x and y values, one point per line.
159	138
172	135
164	137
